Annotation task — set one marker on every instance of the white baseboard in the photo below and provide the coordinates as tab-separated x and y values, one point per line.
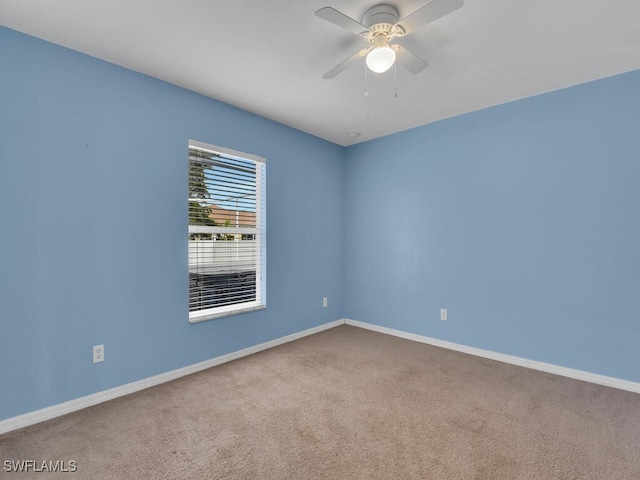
60	409
501	357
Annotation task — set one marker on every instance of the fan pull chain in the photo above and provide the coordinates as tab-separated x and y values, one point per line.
395	79
366	82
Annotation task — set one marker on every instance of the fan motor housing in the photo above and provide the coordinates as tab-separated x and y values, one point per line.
380	14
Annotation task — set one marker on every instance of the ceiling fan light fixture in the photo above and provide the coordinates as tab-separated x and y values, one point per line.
380	59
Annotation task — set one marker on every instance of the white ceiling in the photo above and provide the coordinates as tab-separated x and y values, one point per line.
268	56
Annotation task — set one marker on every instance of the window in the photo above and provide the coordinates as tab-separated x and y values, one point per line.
227	232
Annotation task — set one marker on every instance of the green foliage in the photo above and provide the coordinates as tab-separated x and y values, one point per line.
199	210
225	236
197	184
199	207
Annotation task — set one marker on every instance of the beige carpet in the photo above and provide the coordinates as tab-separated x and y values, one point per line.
348	404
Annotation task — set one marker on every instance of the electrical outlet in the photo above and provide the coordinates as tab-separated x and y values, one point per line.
443	314
98	353
325	302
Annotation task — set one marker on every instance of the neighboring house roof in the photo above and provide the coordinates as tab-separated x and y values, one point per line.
241	218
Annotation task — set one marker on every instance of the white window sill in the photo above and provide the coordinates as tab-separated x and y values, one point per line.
212	314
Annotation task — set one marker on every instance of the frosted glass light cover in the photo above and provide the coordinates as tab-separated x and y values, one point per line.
380	59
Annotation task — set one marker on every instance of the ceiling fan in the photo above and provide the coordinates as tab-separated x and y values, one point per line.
379	27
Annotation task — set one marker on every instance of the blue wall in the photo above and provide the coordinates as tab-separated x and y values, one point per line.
522	220
93	219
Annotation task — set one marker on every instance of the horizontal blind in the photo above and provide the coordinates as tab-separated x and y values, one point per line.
227	242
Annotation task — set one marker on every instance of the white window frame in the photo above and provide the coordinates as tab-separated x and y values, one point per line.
260	232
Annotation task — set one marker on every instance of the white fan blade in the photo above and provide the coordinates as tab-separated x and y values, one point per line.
342	66
340	19
409	60
432	11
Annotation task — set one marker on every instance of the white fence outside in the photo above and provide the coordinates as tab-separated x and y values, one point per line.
218	256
